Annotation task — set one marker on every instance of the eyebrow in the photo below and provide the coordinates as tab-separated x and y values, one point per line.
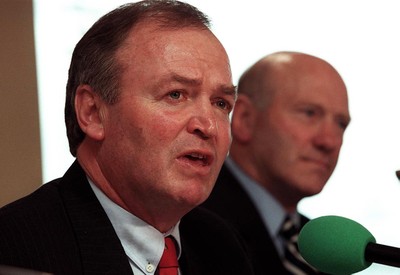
186	80
229	90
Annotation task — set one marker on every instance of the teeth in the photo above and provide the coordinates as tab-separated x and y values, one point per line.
199	156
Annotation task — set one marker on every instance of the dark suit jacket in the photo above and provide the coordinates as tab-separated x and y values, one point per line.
62	228
230	201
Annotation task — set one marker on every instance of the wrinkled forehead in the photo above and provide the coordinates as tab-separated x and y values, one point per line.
151	53
148	35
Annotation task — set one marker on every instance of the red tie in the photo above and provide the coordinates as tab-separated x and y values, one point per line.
169	261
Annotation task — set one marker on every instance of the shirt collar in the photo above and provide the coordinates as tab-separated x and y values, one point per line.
143	243
271	211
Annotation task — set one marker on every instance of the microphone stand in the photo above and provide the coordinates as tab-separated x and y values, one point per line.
382	254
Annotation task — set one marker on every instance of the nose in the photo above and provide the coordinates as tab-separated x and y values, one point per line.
203	122
329	137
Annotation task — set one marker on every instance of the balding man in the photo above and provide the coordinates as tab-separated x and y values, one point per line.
287	127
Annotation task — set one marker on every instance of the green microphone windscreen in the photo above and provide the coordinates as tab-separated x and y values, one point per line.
335	245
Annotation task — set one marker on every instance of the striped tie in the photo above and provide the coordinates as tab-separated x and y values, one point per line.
293	261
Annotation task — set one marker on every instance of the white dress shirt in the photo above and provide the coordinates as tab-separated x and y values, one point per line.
143	244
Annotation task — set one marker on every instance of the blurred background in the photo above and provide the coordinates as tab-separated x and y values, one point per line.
360	38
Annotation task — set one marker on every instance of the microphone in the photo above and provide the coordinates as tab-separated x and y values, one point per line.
337	245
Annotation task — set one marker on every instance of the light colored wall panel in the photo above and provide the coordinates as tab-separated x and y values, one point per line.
20	161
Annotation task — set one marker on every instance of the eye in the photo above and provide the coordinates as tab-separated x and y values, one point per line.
343	123
309	112
175	94
223	104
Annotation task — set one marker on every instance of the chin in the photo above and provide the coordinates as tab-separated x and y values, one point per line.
314	190
194	196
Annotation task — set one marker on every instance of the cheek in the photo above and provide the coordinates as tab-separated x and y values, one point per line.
274	134
294	134
279	143
164	126
224	134
153	123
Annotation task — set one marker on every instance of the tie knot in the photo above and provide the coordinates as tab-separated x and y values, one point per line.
169	257
293	261
289	231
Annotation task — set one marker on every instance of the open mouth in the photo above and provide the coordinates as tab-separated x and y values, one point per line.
201	159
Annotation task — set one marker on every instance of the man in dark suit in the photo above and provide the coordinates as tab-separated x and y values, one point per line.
147	113
287	127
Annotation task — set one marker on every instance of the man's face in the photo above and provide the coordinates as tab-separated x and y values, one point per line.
168	135
301	132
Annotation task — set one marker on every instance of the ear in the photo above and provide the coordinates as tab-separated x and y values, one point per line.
88	108
243	119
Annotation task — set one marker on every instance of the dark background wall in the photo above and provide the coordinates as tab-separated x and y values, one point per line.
20	161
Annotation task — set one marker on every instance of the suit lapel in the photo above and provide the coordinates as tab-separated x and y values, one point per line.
100	249
210	246
238	209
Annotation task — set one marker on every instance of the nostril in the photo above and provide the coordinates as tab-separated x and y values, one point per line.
201	134
203	126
